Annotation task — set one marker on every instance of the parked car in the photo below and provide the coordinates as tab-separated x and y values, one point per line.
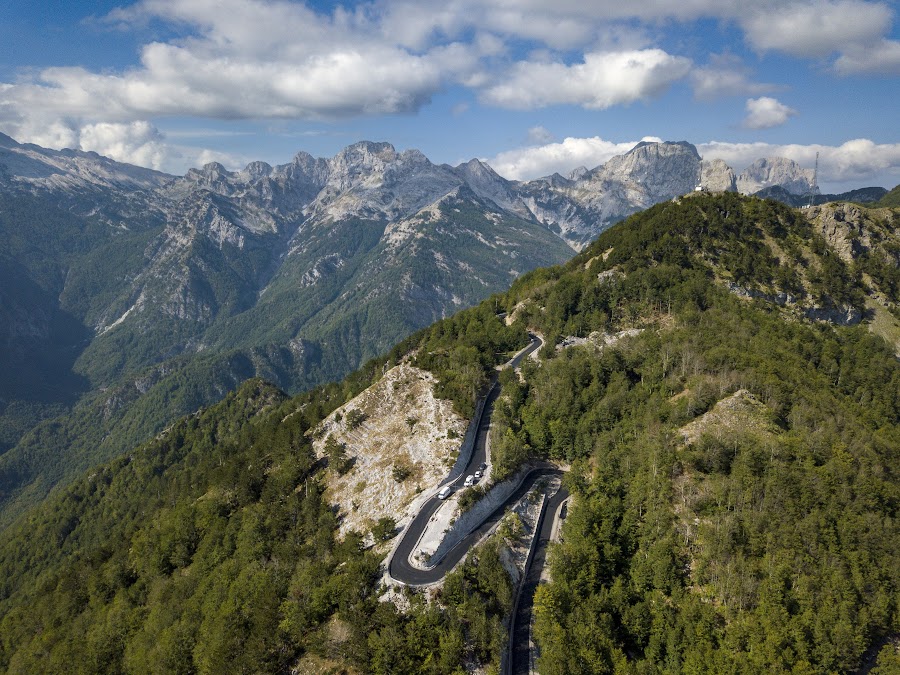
445	492
470	481
478	475
483	468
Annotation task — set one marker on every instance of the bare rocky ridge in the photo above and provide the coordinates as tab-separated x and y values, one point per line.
405	446
717	176
372	180
765	173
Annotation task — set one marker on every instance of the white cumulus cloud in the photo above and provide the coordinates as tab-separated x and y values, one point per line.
882	58
136	142
602	80
765	112
725	75
816	28
247	59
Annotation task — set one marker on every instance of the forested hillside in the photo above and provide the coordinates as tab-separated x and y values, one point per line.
733	454
891	199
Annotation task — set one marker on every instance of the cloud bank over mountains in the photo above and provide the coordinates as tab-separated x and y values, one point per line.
280	60
849	165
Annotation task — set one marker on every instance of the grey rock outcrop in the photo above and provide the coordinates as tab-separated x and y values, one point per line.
841	225
655	171
770	171
717	176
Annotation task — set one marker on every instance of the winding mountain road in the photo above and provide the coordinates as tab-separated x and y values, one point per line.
519	658
399	567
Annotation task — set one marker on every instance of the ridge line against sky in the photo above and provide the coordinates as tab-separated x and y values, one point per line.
531	87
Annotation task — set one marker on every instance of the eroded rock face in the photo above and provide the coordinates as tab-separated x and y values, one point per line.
839	316
842	226
659	171
770	171
717	176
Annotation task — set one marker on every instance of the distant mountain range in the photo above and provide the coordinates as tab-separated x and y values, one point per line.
135	296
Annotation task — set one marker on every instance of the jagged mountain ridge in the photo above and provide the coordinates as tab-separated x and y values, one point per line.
263	215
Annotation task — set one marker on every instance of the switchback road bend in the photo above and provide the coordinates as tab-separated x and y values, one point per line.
399	567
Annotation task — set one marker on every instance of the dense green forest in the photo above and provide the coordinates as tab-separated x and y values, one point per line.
733	471
766	547
211	550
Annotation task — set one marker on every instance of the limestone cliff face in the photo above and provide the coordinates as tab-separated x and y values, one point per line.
585	203
854	231
717	176
781	171
655	171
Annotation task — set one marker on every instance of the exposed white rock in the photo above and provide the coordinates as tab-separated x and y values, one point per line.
405	426
717	176
775	171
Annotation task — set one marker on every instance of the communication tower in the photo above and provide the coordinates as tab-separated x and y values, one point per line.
814	188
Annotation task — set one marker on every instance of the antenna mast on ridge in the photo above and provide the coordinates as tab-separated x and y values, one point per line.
814	188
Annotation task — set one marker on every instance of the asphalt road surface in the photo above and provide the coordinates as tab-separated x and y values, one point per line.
521	628
399	567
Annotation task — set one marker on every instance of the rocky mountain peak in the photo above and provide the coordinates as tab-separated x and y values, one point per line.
477	171
579	173
304	169
366	153
215	168
488	184
647	159
557	180
213	176
659	171
363	161
413	156
775	171
717	176
256	170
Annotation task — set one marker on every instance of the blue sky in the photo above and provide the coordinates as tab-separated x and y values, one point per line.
529	85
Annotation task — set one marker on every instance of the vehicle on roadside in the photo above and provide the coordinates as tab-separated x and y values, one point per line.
470	481
478	475
445	492
482	468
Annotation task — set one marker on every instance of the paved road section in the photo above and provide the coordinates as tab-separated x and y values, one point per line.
521	628
399	567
